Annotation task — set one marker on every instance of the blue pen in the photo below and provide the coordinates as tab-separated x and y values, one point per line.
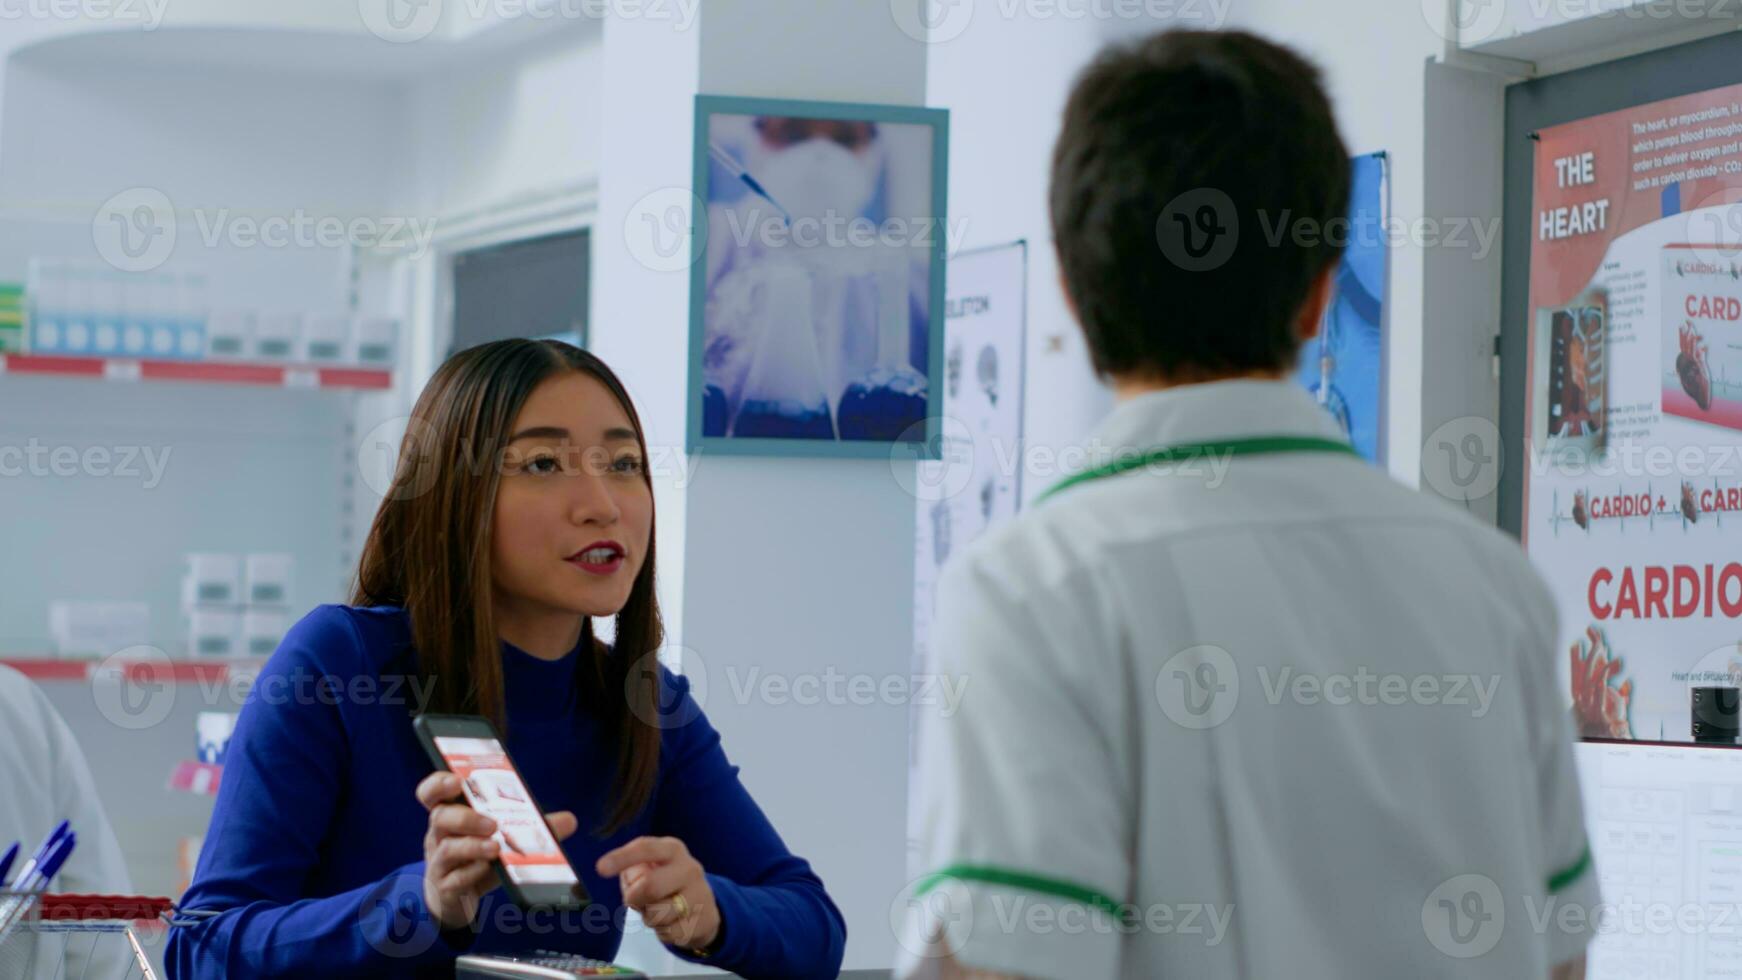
6	863
50	865
725	159
42	850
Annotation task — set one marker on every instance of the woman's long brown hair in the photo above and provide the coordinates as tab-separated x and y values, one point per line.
429	551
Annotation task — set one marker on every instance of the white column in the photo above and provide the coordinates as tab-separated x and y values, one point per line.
774	569
797	566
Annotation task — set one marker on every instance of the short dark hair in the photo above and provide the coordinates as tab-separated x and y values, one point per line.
1164	141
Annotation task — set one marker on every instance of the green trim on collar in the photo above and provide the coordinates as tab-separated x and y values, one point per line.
1257	446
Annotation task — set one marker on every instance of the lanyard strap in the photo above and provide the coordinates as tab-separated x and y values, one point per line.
1259	446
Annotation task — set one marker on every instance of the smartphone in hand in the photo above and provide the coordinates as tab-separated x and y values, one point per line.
531	865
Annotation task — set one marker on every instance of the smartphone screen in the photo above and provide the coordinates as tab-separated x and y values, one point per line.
529	851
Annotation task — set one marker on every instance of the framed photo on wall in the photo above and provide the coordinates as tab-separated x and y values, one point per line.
817	283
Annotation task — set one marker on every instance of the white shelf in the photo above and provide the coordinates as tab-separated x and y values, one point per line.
295	49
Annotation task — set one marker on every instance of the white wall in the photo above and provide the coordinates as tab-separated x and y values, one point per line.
500	128
801	566
1004	81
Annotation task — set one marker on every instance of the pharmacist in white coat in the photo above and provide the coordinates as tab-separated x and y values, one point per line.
43	780
1238	704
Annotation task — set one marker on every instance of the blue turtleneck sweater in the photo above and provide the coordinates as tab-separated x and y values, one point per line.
314	858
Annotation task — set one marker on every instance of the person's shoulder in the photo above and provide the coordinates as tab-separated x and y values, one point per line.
21	700
1024	552
14	686
678	710
1478	551
344	640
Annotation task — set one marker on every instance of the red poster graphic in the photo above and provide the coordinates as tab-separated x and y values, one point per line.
1633	494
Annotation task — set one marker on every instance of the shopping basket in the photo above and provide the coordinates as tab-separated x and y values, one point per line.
87	930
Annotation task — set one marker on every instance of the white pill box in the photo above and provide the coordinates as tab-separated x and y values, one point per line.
326	338
214	633
229	334
212	579
87	628
277	336
262	629
266	579
374	340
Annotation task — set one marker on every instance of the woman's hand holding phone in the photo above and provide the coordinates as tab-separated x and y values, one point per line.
458	850
656	872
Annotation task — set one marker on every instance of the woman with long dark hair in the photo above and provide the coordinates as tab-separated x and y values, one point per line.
520	509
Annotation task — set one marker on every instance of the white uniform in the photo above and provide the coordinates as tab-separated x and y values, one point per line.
43	780
1293	720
